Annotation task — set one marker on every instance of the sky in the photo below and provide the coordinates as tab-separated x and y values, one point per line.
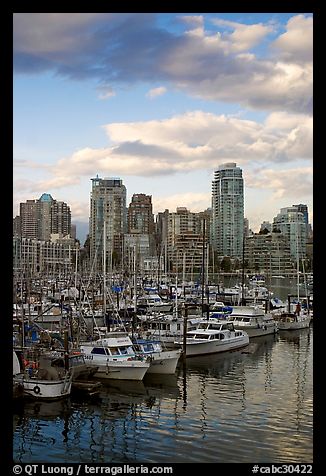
161	100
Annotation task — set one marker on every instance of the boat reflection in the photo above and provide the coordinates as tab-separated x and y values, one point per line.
296	336
44	410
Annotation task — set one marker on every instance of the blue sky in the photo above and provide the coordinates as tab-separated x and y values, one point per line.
161	100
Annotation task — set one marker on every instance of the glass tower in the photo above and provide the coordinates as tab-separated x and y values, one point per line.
108	204
228	211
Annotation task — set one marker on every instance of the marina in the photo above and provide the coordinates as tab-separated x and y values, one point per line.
162	242
250	405
209	379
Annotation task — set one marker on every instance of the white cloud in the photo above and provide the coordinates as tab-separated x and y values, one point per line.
155	92
296	44
194	202
275	155
244	37
296	183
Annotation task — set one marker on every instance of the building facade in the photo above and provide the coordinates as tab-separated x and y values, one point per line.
140	214
107	205
36	257
291	223
268	253
43	217
228	211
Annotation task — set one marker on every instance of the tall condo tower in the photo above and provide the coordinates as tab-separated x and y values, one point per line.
108	204
228	211
43	217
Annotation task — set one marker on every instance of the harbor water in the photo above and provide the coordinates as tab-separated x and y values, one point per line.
248	406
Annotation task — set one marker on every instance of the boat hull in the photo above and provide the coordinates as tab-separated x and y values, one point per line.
204	348
122	370
288	326
164	362
45	389
257	331
290	322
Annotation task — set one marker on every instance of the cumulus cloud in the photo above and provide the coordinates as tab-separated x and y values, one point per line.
155	92
213	64
243	37
188	143
295	183
296	44
194	202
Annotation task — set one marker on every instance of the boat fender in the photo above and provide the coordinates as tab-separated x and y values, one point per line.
36	389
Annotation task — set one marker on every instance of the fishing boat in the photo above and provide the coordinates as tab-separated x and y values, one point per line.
161	361
253	320
115	357
42	381
212	336
74	360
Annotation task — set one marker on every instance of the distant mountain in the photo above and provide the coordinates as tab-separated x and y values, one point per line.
82	231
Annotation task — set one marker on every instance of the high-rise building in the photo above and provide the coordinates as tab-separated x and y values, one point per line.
185	240
291	222
228	211
17	226
60	218
44	209
140	214
107	204
43	217
29	219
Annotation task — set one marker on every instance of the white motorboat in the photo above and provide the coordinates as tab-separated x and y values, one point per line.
253	320
166	327
212	336
115	357
161	361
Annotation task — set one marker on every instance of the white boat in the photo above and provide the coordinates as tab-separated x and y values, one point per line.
44	389
153	303
161	361
212	336
166	327
253	320
115	357
44	383
288	321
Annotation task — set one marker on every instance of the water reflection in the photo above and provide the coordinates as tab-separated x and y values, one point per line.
250	405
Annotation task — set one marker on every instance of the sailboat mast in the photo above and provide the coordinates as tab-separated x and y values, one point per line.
135	281
203	268
104	271
243	271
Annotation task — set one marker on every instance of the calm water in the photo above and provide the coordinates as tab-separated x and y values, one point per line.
247	406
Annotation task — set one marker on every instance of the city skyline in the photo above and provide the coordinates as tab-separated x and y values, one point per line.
161	101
